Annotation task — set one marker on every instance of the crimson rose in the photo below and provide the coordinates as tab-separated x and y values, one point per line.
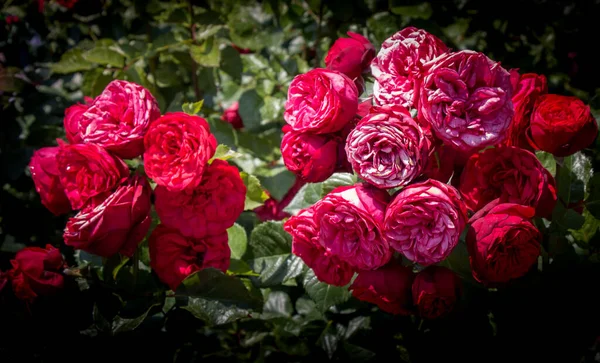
350	56
435	291
36	271
71	122
44	172
232	116
312	157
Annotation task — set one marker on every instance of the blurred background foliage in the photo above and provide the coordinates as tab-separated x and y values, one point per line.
51	56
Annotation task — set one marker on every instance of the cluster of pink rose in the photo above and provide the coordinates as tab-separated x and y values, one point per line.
195	197
444	135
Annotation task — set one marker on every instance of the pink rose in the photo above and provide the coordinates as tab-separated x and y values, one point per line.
424	221
399	66
72	118
466	97
311	157
320	101
388	148
232	116
350	223
44	172
350	56
119	118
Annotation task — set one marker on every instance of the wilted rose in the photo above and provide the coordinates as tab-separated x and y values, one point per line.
435	291
350	56
311	157
36	272
44	172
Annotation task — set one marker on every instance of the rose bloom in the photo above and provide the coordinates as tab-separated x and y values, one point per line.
232	116
320	101
311	157
174	257
350	56
466	97
119	117
399	66
178	147
208	209
36	272
71	122
117	223
561	125
44	172
306	244
514	175
388	287
502	242
388	148
87	170
350	221
424	221
435	291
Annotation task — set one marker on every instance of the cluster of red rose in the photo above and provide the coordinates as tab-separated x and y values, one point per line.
445	132
196	198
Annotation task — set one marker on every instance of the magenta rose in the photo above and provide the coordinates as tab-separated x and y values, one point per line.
232	116
72	118
388	148
44	172
399	66
311	157
119	118
350	56
424	221
466	97
320	101
350	221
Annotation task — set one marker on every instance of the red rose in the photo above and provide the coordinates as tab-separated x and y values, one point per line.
435	291
270	211
117	223
119	118
503	244
388	287
306	244
350	56
208	209
178	147
36	271
561	125
312	157
173	257
514	175
87	170
72	119
232	116
44	172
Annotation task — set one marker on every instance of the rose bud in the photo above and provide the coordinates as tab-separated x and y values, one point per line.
351	56
44	172
466	98
312	157
424	221
36	272
87	170
350	221
119	118
514	175
117	223
502	242
435	291
389	287
399	66
561	125
232	116
72	118
388	148
270	211
320	101
174	257
328	268
178	147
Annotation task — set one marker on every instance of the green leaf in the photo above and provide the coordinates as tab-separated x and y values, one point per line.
589	229
193	108
255	195
592	202
421	11
207	54
223	152
231	63
104	55
330	338
274	270
307	307
239	267
238	241
269	239
306	197
214	312
208	31
572	177
250	104
357	354
278	304
337	180
95	81
547	160
8	81
121	325
324	295
72	61
382	25
563	219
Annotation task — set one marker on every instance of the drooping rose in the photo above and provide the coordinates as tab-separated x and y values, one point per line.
320	101
119	118
424	221
466	98
87	170
561	125
173	257
306	244
399	66
350	221
311	157
435	291
36	272
232	116
178	147
208	209
388	148
117	223
350	56
72	119
389	287
44	172
512	174
502	242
